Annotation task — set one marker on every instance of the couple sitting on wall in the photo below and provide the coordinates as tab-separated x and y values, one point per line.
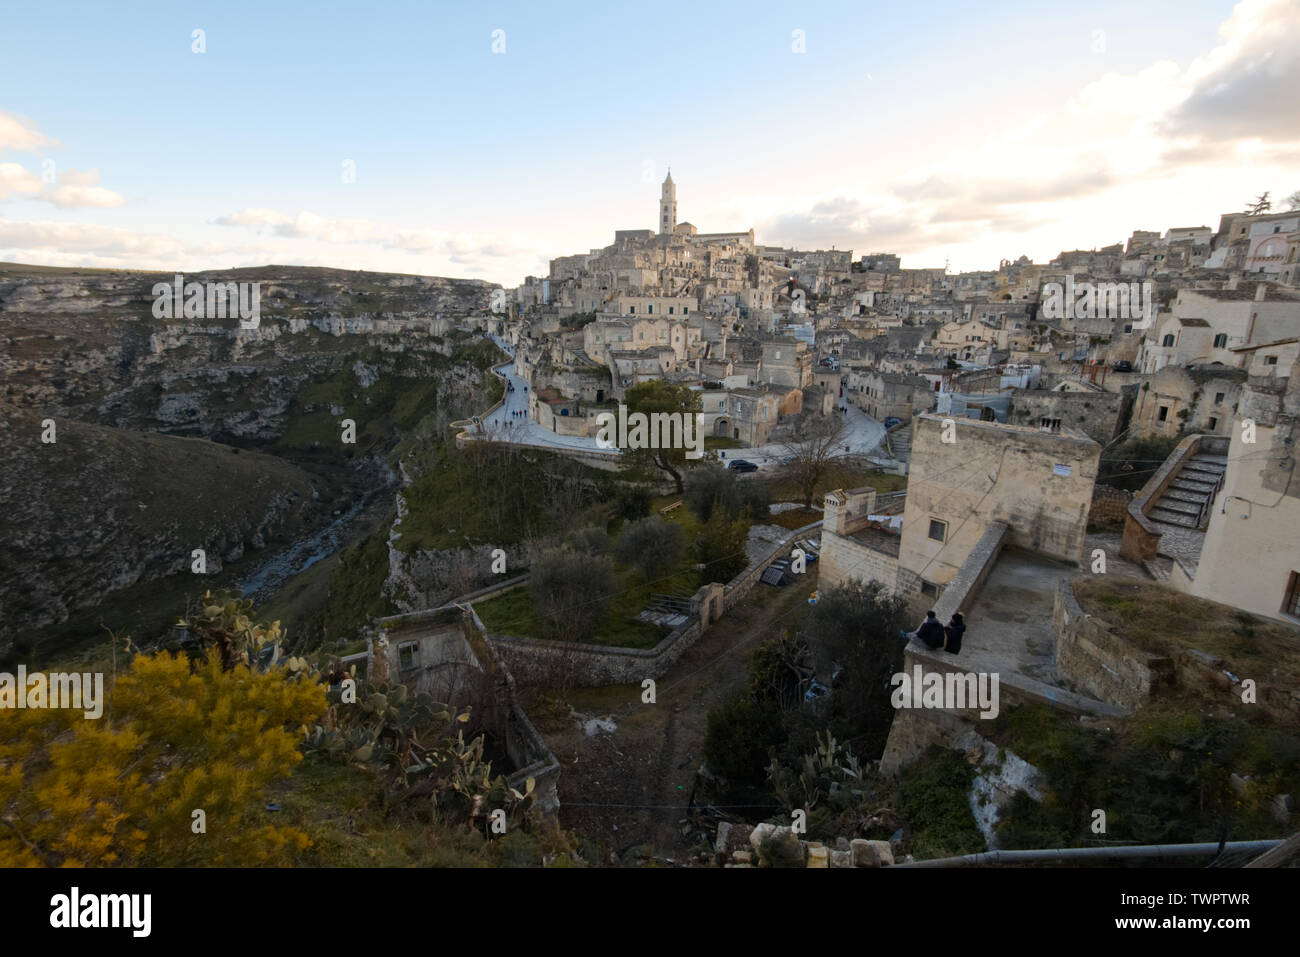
934	635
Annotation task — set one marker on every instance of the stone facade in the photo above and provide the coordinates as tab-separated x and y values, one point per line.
1038	484
1095	657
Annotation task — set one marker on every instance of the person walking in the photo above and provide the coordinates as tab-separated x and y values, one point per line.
955	628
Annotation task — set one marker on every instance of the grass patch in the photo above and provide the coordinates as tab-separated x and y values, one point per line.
721	442
783	488
933	800
1162	775
1160	620
794	518
512	612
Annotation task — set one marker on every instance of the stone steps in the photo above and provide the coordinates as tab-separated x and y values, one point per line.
1191	489
1159	568
1161	514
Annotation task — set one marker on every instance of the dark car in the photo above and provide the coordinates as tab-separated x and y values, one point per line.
892	421
740	465
1123	366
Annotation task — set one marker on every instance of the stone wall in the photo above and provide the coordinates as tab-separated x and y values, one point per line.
843	559
1037	483
965	585
1097	414
1109	505
1092	655
535	659
462	643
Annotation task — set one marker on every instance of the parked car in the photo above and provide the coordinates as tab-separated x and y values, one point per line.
740	465
787	460
892	421
1123	366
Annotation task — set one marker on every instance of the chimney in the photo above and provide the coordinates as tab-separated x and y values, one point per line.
1259	291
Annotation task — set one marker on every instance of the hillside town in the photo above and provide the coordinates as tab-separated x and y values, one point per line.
1188	332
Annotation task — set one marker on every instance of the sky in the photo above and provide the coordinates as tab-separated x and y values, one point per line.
481	140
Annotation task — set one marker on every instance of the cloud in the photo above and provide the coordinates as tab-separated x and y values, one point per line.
20	133
253	217
72	188
308	225
17	181
1245	88
80	188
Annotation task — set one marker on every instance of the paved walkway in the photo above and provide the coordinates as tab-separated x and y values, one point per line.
1009	627
864	435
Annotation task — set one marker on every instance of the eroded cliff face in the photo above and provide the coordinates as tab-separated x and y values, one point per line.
88	346
134	480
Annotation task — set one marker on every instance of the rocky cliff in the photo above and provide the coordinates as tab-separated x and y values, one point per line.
184	433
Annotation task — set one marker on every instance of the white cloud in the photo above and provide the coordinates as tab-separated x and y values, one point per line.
253	217
17	181
20	133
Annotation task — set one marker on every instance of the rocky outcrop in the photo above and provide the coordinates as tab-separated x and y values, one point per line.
130	488
100	509
86	345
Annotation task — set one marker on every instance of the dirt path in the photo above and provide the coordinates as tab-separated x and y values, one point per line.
629	788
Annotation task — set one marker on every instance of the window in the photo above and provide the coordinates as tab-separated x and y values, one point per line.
1049	425
938	530
1164	413
408	655
670	310
1218	398
1221	340
1270	360
631	310
1167	341
650	309
930	589
1128	327
1291	607
1214	423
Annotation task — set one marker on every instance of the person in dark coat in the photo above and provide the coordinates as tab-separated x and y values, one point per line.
952	634
930	633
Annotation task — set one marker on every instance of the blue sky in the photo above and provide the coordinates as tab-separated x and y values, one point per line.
956	131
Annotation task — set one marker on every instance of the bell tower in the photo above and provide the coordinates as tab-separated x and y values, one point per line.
668	205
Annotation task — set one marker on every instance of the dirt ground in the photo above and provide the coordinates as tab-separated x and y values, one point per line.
628	789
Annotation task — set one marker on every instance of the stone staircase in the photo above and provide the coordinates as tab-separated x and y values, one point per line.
1188	497
900	443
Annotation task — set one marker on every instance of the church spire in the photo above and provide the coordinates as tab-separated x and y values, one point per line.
668	205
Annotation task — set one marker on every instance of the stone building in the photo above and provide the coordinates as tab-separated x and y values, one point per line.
1038	484
1082	407
1201	398
1250	558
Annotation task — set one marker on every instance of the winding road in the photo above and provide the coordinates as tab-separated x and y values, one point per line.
864	435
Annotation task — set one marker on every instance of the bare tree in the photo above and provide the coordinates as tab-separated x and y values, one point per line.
1260	205
814	441
1293	201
